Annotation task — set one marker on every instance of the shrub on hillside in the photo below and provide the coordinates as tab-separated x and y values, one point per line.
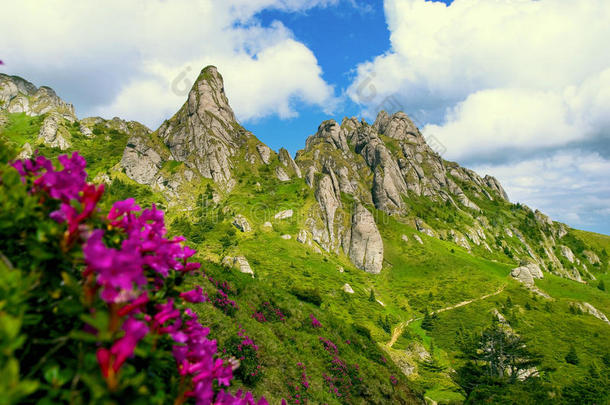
308	295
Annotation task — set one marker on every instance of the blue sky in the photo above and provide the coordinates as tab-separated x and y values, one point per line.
341	37
489	80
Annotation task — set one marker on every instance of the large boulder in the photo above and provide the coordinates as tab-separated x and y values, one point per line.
527	274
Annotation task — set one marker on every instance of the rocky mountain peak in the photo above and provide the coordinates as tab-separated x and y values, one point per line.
17	95
208	101
397	126
204	133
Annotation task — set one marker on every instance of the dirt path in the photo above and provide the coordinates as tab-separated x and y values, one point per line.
400	327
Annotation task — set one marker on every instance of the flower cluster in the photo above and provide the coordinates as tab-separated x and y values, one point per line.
298	391
314	321
245	350
268	312
224	303
393	380
128	263
78	199
342	378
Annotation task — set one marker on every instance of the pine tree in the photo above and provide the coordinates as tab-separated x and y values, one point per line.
572	356
601	285
428	322
372	296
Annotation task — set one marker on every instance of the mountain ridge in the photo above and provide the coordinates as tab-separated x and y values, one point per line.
378	164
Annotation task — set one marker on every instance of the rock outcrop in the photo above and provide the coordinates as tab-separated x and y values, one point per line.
239	262
53	134
141	161
284	214
289	163
590	309
366	246
265	153
241	223
204	132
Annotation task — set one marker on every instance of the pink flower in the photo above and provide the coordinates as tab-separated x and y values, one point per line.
124	347
194	296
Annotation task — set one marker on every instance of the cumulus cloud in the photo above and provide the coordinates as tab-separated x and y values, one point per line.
510	72
133	58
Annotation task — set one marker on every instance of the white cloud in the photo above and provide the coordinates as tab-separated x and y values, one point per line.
570	186
121	57
496	74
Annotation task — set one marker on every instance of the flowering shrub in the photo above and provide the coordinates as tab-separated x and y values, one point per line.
393	380
299	390
243	348
342	379
314	321
224	303
106	289
267	312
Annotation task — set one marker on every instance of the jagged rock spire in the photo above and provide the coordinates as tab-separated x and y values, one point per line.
204	132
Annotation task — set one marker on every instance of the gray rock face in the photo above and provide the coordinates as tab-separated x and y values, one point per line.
20	96
494	184
567	253
459	239
302	236
289	163
264	152
423	228
592	257
286	237
53	134
418	239
366	248
241	223
328	200
398	126
281	174
141	161
590	309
